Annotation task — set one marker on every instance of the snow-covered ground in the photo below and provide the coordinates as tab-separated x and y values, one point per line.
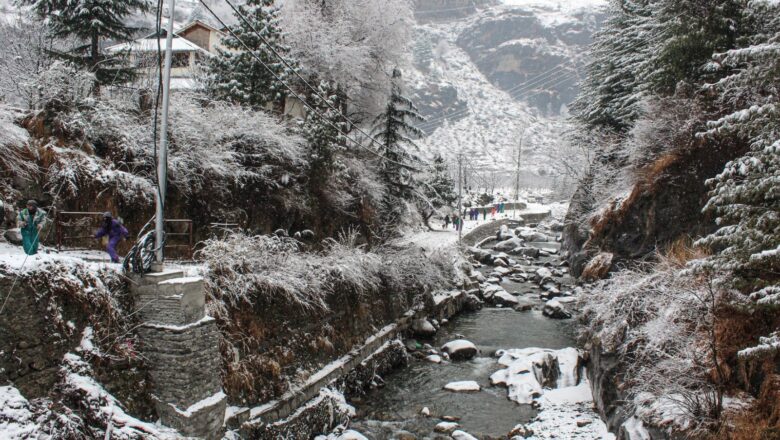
15	259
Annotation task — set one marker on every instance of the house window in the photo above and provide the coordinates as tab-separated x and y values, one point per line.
180	59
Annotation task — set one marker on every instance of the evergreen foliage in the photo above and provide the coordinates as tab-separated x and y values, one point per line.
92	22
237	75
394	130
612	94
688	32
323	131
746	195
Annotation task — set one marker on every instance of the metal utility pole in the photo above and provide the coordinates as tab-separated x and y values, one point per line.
517	172
162	155
460	197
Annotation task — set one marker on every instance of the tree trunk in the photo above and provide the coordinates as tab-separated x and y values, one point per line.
426	219
94	60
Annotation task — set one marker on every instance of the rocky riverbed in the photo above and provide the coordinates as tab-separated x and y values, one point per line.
508	369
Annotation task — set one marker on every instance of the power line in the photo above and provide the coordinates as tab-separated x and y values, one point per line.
430	123
298	97
535	81
306	83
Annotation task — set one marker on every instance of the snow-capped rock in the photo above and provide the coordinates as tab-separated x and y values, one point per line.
422	328
460	349
446	427
462	435
465	386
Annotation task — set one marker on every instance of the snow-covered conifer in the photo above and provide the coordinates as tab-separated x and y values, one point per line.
243	77
613	91
92	22
746	195
394	130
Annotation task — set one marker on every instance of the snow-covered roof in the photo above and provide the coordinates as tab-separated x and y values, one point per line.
150	45
192	24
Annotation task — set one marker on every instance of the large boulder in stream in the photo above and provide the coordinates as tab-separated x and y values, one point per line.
481	255
554	309
460	349
530	252
508	245
542	275
422	328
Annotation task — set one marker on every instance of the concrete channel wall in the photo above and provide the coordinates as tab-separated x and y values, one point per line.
443	305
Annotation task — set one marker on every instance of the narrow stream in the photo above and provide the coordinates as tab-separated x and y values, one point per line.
394	411
396	407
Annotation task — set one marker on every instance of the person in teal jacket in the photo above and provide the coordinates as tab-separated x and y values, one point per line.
31	221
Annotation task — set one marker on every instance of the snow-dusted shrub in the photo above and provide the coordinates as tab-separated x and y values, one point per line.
216	145
661	323
15	154
268	269
302	305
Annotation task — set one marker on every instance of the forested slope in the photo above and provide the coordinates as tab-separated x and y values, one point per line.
682	205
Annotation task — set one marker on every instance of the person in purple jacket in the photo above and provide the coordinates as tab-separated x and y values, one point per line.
116	232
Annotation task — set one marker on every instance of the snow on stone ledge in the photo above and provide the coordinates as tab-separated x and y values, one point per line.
197	406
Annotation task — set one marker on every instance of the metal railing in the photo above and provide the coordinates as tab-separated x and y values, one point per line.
76	228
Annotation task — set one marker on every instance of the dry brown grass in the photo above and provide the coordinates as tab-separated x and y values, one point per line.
760	421
682	251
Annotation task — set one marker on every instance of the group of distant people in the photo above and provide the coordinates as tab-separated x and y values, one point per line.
32	219
473	214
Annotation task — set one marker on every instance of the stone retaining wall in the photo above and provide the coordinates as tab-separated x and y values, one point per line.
182	348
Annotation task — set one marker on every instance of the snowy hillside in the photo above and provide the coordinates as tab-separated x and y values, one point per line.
483	80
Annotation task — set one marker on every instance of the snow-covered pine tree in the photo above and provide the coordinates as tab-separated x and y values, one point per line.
237	75
612	94
438	187
324	132
393	129
92	22
746	195
686	34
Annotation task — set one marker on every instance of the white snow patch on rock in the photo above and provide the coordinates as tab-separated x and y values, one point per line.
462	435
463	386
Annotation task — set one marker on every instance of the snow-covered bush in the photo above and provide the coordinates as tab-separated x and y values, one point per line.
267	269
15	155
660	322
304	305
355	44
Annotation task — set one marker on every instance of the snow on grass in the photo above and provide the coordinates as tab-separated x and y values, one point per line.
78	380
17	421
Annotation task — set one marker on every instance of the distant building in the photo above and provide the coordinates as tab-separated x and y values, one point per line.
192	45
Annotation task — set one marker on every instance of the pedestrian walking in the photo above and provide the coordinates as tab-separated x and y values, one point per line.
115	231
446	221
484	213
31	221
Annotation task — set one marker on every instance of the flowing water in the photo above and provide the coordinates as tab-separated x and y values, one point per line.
394	411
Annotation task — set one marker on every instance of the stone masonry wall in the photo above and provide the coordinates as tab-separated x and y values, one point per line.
182	348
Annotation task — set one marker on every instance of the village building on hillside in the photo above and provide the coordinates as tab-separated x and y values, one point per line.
192	45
